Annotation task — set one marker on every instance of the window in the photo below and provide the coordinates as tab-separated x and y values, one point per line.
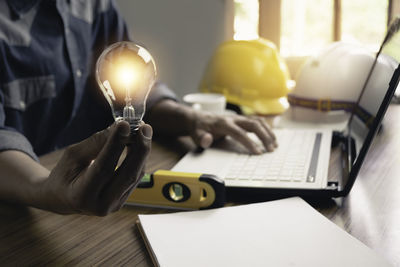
364	21
306	25
301	27
246	20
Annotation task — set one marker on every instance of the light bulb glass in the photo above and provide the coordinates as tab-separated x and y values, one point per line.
126	72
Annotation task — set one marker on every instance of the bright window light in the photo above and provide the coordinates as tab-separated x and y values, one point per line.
364	21
306	26
246	20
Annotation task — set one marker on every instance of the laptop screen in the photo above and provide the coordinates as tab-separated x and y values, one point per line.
375	87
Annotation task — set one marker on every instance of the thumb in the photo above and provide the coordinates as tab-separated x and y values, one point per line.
202	138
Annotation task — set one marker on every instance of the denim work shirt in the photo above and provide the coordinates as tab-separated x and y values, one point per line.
48	94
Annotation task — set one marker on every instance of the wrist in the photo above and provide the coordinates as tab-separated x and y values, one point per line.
21	179
172	118
34	193
187	118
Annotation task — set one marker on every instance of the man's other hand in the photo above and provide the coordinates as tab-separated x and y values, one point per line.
208	127
175	119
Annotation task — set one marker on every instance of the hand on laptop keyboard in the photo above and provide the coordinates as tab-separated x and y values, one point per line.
208	127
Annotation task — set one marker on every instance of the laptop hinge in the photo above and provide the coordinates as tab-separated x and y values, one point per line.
332	185
346	144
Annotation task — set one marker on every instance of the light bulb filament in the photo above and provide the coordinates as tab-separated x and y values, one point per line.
129	113
129	110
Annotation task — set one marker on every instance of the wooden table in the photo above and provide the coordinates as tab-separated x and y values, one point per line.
30	236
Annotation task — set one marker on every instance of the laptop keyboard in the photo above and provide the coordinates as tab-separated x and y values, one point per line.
290	162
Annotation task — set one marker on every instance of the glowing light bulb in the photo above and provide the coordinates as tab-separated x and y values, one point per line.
126	72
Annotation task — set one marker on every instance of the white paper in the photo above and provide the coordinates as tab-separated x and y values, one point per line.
286	232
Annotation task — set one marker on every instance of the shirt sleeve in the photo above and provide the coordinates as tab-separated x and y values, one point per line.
160	91
11	139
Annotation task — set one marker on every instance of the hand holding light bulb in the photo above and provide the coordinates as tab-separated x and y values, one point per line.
126	72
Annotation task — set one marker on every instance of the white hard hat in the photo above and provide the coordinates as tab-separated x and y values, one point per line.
330	83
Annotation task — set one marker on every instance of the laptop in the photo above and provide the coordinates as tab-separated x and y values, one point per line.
299	166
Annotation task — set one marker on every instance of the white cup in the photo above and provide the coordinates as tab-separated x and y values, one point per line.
210	102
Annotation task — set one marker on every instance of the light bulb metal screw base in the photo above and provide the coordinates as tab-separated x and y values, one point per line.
133	124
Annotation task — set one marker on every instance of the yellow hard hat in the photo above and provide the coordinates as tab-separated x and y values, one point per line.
250	74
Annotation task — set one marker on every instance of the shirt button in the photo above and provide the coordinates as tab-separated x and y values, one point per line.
22	104
78	73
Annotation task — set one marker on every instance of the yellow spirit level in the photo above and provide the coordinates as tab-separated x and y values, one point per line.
179	190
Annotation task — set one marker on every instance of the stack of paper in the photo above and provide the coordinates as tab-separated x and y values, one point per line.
286	232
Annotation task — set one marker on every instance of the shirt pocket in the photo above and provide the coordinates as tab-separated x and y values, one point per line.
20	94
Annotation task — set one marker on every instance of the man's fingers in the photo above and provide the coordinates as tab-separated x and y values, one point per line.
202	138
130	171
269	130
117	205
257	128
104	166
110	153
241	136
87	150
